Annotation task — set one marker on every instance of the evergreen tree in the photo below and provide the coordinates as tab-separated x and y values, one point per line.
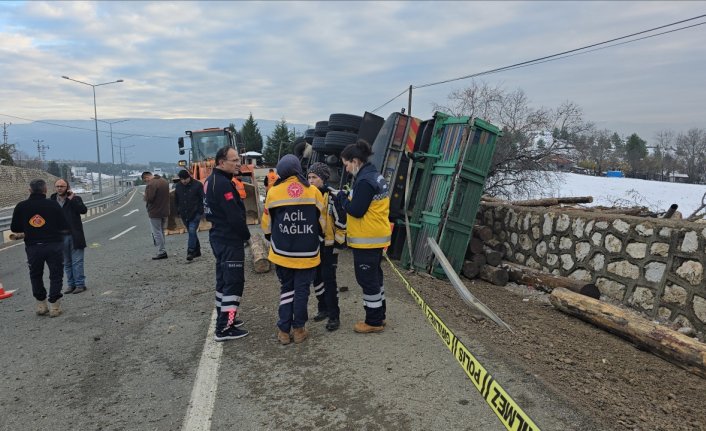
278	143
6	152
53	168
635	151
251	135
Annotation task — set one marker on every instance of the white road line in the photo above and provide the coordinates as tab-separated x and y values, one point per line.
203	395
133	211
122	233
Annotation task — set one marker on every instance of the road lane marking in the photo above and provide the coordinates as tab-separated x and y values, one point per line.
203	394
133	211
122	233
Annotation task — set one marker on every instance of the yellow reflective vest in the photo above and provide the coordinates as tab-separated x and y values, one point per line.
294	223
372	230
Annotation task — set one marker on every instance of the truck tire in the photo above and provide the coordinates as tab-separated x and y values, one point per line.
318	144
299	148
344	123
321	128
309	135
337	141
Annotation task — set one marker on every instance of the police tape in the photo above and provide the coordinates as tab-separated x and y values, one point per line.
504	407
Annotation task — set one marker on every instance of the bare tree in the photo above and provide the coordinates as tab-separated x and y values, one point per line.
520	166
663	147
691	149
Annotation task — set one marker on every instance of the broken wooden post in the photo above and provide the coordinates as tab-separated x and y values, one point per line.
260	250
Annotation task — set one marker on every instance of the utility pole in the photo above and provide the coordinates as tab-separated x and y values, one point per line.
41	150
4	133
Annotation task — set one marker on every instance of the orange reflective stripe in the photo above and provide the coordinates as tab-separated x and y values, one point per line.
412	135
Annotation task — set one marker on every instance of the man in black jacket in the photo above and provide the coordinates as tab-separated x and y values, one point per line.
44	226
188	197
226	212
75	241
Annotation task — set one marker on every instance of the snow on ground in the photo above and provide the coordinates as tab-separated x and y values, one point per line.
656	195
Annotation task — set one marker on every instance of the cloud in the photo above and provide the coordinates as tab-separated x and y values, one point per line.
304	60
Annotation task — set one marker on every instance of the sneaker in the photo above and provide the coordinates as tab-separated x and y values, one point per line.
333	324
363	328
160	256
300	334
321	315
54	309
189	257
197	253
238	323
42	309
283	337
231	333
80	289
70	289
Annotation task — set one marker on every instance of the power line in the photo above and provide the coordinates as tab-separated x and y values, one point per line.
85	129
570	53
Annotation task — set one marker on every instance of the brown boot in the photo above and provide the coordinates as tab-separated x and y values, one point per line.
283	337
55	309
300	335
363	328
42	308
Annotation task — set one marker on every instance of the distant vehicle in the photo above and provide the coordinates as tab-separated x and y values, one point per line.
202	158
615	174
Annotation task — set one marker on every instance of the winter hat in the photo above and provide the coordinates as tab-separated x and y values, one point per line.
288	166
183	174
320	170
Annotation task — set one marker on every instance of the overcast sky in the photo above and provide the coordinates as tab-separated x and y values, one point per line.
304	60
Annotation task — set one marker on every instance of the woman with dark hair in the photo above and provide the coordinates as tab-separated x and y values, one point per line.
368	230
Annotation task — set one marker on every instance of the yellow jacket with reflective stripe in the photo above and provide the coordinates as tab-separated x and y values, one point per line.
335	231
373	229
293	221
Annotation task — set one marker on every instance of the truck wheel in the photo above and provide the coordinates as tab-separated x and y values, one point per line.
337	141
321	128
309	135
318	144
344	123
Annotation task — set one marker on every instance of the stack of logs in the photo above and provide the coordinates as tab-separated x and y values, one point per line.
484	257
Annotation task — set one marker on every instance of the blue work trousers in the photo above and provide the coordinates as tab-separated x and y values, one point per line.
368	274
294	296
230	280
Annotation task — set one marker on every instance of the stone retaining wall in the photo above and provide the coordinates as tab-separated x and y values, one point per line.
15	183
655	266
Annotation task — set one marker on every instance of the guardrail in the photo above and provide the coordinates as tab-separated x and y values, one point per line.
91	205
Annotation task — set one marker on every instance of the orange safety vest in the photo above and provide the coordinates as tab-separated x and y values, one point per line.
271	179
240	187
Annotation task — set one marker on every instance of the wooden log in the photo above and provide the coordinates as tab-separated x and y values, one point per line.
470	269
484	233
670	345
475	246
479	259
492	257
548	282
496	275
495	245
260	250
16	236
547	202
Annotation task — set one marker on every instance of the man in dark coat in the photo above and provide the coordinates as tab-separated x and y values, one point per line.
75	241
188	198
157	202
44	226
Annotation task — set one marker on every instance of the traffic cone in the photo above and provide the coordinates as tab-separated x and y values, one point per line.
3	294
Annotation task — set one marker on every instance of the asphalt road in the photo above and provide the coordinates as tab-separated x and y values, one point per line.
134	352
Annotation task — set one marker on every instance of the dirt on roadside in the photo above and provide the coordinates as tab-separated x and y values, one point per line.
598	373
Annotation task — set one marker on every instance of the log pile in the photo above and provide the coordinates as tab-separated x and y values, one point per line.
484	256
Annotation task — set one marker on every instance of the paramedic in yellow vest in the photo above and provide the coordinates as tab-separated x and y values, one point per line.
293	222
368	231
325	287
239	187
270	180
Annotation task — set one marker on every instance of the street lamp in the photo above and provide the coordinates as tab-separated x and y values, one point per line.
95	117
112	153
122	165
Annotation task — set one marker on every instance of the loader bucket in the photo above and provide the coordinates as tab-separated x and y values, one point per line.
252	204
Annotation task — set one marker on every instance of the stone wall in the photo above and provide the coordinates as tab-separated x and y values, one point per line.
15	183
655	266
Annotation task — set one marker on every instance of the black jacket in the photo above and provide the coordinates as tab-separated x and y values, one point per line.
224	208
72	209
40	219
189	199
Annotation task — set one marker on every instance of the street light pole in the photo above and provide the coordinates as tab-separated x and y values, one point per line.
112	152
95	117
